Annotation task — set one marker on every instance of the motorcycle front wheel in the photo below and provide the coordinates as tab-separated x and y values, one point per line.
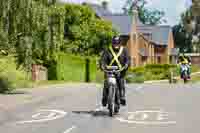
111	100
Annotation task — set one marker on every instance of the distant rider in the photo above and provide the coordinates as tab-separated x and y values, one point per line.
185	60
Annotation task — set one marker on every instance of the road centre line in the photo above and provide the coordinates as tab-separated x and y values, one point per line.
70	129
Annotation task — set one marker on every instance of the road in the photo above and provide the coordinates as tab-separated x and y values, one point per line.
152	108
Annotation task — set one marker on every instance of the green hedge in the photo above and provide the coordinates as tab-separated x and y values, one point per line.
151	72
72	68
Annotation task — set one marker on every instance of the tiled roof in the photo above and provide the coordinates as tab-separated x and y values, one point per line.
123	23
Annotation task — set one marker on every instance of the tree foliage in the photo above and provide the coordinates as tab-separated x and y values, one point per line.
146	15
84	32
190	20
36	30
182	38
33	28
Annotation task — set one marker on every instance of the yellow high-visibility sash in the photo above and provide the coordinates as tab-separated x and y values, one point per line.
116	56
185	61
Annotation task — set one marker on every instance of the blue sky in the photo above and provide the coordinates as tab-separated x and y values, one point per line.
172	8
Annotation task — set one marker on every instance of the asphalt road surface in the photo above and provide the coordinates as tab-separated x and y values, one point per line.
151	108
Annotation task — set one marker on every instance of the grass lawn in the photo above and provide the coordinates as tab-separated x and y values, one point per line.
195	78
18	78
195	68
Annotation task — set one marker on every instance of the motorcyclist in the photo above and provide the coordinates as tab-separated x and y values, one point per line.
185	60
115	55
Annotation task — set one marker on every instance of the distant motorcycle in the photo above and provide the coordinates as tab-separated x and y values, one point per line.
113	90
184	72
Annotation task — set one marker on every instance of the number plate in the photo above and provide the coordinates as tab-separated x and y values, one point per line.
112	80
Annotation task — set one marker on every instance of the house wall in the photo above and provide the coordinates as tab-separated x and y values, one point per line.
170	46
195	60
133	51
142	45
153	51
160	54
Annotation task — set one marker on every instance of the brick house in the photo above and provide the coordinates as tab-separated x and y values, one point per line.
147	44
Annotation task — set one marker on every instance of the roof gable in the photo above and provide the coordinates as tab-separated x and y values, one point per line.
123	23
160	34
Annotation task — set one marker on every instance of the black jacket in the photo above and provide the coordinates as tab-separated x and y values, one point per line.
107	57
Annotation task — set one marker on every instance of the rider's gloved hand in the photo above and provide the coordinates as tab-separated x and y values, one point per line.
103	67
126	66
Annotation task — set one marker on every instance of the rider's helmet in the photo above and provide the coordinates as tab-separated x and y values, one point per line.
116	41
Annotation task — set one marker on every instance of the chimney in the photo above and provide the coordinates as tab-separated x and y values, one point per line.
125	10
105	5
134	38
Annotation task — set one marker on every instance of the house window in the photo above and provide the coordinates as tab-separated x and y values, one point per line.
144	58
147	36
159	59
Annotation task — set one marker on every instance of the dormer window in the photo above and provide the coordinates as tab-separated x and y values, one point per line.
148	36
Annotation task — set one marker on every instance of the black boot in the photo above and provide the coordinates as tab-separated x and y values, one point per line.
116	109
105	95
123	101
104	101
122	93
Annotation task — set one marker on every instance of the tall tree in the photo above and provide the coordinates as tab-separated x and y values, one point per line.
183	39
85	33
147	16
191	22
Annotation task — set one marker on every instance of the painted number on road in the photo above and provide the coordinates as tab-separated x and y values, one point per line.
45	115
147	117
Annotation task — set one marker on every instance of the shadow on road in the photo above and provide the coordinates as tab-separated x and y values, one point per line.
17	92
93	113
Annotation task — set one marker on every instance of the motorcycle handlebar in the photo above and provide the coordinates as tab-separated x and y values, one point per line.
115	71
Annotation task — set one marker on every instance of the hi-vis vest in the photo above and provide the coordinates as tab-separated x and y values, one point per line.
116	56
185	61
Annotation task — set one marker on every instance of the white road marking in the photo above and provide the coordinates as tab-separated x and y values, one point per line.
36	115
50	117
146	122
162	116
99	109
138	88
133	114
145	116
70	129
159	120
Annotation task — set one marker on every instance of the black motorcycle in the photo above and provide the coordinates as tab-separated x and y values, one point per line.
113	89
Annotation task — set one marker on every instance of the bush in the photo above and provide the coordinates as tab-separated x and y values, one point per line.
135	78
195	68
138	70
10	76
52	73
151	72
5	85
135	75
73	68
